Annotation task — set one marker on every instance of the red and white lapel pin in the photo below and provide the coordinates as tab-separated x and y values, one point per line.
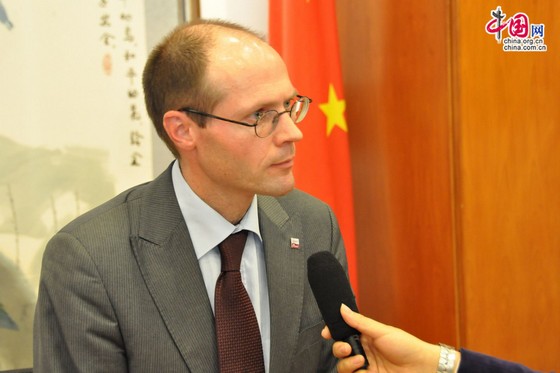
294	243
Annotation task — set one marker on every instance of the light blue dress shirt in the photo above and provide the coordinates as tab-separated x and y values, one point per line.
207	229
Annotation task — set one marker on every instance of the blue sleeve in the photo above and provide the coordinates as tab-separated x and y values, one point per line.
474	362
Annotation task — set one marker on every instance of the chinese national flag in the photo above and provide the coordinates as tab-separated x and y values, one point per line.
305	34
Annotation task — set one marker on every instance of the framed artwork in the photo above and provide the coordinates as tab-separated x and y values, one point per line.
73	133
189	10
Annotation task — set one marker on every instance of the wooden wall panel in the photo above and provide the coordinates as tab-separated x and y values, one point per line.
395	69
456	167
509	121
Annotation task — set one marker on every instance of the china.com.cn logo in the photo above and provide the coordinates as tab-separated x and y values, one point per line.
523	35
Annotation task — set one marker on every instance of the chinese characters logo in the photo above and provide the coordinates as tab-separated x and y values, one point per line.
523	36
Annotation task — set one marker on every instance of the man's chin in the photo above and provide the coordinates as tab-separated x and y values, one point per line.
283	193
278	190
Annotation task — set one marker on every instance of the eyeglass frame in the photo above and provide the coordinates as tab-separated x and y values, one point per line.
254	125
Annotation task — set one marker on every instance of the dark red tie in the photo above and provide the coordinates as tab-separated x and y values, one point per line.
237	329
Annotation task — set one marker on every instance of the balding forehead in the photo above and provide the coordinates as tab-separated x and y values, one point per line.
238	48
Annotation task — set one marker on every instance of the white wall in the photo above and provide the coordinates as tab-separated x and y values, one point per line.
250	13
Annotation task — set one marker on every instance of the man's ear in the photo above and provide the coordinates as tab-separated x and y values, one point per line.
179	128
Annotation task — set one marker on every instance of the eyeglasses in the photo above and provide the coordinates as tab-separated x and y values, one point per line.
266	121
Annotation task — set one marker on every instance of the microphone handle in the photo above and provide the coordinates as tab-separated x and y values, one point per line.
357	349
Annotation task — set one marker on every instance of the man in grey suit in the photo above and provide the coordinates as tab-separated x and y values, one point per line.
129	286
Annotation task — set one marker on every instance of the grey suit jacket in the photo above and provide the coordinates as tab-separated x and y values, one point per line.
121	289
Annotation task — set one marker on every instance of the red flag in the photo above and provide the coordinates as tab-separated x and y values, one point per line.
305	34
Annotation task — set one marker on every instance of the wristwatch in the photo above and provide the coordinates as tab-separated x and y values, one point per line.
447	357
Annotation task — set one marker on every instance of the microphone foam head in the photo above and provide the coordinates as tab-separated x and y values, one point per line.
331	288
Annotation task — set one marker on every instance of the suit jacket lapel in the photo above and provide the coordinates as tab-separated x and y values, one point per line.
285	272
168	263
166	258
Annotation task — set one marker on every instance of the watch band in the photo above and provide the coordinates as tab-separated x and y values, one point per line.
447	357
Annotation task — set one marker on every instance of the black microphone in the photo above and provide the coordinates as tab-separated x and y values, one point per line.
331	288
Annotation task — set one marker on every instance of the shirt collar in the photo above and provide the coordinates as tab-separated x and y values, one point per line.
207	228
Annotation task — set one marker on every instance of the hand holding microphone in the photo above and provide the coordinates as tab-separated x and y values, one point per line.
331	289
389	349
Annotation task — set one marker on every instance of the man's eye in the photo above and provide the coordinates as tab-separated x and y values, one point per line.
257	115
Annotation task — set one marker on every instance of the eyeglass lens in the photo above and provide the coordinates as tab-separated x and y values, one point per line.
267	123
298	110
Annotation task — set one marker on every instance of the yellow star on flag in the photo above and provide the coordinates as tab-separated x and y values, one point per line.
334	110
